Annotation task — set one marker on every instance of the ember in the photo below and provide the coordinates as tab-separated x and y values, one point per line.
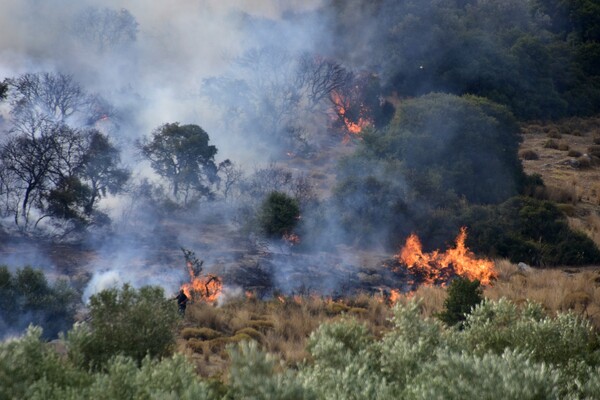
437	268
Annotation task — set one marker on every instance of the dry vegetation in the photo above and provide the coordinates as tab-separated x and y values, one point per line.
566	155
283	324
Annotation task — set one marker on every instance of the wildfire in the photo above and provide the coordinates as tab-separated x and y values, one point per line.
291	238
202	287
437	267
353	126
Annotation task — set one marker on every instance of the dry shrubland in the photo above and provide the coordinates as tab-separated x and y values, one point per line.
282	325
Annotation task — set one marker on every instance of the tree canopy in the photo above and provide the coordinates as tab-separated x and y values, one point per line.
182	155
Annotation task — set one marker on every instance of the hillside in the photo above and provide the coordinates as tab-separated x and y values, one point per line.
564	154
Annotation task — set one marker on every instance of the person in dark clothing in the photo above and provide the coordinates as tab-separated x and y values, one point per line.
182	300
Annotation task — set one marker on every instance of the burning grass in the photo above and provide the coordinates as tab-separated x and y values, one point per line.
283	324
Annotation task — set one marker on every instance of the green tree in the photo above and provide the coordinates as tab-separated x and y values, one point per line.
128	322
181	154
278	214
463	295
439	151
26	297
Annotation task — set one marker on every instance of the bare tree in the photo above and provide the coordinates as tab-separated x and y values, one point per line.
105	28
230	176
321	77
42	100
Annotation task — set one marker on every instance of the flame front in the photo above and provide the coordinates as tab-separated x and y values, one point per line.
437	268
204	288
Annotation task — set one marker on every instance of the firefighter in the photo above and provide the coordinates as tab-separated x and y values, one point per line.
182	300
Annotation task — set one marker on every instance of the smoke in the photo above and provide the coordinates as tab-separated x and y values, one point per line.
156	69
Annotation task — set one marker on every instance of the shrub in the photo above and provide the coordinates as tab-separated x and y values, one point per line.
463	295
574	153
278	214
528	155
200	333
26	298
496	326
584	162
128	322
554	134
594	150
551	144
562	146
596	140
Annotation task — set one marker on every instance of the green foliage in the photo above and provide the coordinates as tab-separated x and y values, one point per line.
31	369
503	352
278	214
181	154
496	326
464	376
252	375
438	150
463	295
26	298
528	230
128	322
539	58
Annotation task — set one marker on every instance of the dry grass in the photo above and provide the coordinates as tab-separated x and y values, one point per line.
557	290
572	177
282	326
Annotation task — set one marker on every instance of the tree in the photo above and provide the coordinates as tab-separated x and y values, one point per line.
26	297
128	322
279	214
100	169
44	99
181	154
463	295
105	28
59	172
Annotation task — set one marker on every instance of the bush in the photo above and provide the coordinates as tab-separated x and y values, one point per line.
551	144
128	322
528	155
496	326
594	150
463	295
26	298
574	153
554	134
562	146
278	214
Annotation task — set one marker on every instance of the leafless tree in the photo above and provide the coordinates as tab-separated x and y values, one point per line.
321	77
230	175
42	100
105	28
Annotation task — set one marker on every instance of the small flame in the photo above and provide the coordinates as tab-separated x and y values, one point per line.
291	238
341	107
438	268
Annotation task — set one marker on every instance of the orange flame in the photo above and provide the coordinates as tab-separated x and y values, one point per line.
203	287
291	238
437	268
341	107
